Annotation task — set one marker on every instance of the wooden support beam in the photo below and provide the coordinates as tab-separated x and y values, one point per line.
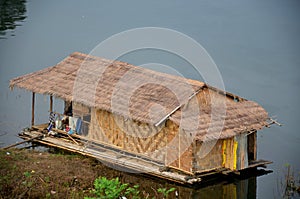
32	108
51	103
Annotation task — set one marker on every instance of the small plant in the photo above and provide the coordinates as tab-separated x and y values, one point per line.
28	179
27	174
133	192
108	189
47	179
48	195
289	185
165	191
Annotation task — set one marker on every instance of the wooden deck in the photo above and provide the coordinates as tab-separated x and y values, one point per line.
114	156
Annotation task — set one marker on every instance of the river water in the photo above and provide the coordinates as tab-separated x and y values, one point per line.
255	45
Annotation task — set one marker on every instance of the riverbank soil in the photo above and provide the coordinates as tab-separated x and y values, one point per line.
32	174
35	174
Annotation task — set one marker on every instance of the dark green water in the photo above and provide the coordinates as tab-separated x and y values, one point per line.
255	45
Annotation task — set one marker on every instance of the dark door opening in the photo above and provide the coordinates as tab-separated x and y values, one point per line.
251	146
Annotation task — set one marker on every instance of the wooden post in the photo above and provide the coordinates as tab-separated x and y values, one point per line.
179	155
32	108
194	161
166	145
51	103
255	145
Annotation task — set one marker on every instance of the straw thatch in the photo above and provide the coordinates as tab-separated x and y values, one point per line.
239	115
143	95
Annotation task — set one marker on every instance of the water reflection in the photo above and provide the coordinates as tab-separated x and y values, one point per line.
223	188
12	12
245	188
238	188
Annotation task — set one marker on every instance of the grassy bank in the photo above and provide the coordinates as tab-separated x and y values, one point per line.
33	174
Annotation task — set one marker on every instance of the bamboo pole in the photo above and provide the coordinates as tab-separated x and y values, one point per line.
32	109
72	139
22	142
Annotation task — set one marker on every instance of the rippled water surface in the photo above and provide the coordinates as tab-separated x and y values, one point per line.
255	45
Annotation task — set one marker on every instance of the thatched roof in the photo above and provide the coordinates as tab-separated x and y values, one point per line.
139	94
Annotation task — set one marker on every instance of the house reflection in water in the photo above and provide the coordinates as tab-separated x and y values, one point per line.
242	189
234	189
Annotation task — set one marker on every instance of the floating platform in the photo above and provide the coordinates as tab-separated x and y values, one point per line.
122	159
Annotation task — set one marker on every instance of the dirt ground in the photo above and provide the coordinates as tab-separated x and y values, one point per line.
34	174
31	174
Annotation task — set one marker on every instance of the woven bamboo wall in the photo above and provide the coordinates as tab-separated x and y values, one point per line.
185	160
161	144
212	160
129	135
180	151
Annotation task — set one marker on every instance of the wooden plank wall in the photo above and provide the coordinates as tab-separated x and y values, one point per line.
242	153
227	153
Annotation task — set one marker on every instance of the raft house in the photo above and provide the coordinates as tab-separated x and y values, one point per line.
153	130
